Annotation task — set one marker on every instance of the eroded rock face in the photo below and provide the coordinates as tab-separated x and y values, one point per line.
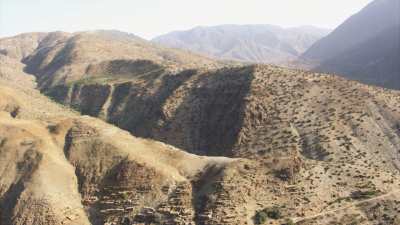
117	186
82	171
37	186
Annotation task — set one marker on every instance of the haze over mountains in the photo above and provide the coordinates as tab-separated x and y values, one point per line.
249	43
366	47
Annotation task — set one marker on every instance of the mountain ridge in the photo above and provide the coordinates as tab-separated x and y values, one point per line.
251	43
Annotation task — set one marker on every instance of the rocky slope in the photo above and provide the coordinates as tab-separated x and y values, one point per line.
61	168
318	134
278	146
251	43
365	47
325	140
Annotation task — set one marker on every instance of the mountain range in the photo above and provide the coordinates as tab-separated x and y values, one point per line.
365	47
247	43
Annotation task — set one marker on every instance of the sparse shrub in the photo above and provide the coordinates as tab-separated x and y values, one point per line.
124	195
52	128
262	215
363	194
273	213
283	174
288	222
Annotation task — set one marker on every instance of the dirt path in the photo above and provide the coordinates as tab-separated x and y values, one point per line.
299	219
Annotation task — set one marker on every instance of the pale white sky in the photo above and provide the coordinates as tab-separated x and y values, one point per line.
148	18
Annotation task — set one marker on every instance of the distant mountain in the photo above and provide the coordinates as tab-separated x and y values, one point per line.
366	47
253	43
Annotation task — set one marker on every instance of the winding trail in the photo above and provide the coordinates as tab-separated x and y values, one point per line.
300	219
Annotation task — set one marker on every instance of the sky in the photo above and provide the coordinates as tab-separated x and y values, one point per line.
149	18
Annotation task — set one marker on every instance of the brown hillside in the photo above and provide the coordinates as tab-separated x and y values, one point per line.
62	57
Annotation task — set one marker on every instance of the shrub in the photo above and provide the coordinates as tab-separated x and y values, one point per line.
262	215
363	194
288	222
273	213
124	195
283	174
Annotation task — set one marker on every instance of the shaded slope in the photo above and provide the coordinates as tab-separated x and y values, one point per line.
232	106
376	17
203	118
373	62
79	170
365	47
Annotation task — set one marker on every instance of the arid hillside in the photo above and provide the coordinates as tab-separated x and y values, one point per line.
62	57
61	168
259	144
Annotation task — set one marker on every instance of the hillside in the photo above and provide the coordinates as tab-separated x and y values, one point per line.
77	170
326	141
62	57
249	43
239	144
61	168
365	47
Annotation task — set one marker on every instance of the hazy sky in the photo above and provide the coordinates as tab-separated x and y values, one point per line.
148	18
